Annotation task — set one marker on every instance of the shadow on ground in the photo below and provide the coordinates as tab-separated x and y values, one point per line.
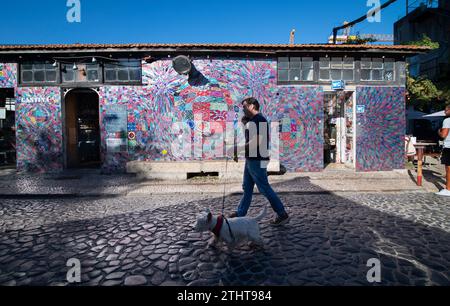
328	242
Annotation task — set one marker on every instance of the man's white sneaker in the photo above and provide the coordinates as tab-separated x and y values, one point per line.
444	192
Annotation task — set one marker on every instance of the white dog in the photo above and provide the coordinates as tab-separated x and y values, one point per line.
233	230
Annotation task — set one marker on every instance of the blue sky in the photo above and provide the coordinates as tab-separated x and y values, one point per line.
201	21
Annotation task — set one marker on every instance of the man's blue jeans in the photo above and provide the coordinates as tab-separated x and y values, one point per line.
255	174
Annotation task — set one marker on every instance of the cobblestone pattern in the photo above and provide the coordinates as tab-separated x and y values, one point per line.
150	241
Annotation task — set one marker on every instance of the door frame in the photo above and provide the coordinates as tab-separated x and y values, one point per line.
326	90
64	93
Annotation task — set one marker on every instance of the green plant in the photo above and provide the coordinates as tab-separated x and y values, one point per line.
422	93
424	41
357	40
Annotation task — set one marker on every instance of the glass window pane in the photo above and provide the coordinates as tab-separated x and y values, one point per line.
336	74
377	75
39	76
365	74
324	62
307	74
67	73
336	62
348	62
111	65
324	74
283	62
389	75
123	75
92	66
366	63
27	76
294	62
294	75
49	67
388	65
377	63
110	75
307	64
283	75
135	63
347	74
50	76
27	66
135	74
38	66
92	75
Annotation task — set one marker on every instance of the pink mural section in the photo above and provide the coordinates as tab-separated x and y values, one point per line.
8	75
204	106
39	129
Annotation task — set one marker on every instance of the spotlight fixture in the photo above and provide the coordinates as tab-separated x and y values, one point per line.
55	64
94	60
75	66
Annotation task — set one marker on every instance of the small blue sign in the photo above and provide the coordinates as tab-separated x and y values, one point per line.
337	85
360	109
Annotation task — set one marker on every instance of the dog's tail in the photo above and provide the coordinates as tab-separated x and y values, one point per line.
261	214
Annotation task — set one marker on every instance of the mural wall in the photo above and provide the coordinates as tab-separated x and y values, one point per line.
202	107
380	117
8	75
39	129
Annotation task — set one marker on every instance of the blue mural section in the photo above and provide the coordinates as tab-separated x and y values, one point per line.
380	117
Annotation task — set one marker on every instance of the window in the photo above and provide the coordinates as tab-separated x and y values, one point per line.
37	72
336	68
377	69
123	71
83	73
295	69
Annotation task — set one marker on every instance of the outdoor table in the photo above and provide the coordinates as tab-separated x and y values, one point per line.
420	146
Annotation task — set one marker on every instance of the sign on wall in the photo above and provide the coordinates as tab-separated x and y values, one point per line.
338	85
360	109
116	128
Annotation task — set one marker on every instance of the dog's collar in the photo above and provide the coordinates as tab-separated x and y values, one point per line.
219	223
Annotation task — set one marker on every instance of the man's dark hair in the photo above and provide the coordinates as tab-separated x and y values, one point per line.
252	101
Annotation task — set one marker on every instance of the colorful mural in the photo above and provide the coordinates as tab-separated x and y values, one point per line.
380	118
205	105
39	129
299	110
8	75
175	117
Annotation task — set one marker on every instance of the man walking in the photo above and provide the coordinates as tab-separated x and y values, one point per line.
256	160
445	159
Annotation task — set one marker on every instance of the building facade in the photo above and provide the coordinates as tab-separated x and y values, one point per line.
107	105
431	18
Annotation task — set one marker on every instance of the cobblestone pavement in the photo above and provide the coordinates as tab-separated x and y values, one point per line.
148	240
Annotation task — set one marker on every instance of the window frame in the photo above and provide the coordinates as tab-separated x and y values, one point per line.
382	70
45	69
118	67
73	83
338	67
296	65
